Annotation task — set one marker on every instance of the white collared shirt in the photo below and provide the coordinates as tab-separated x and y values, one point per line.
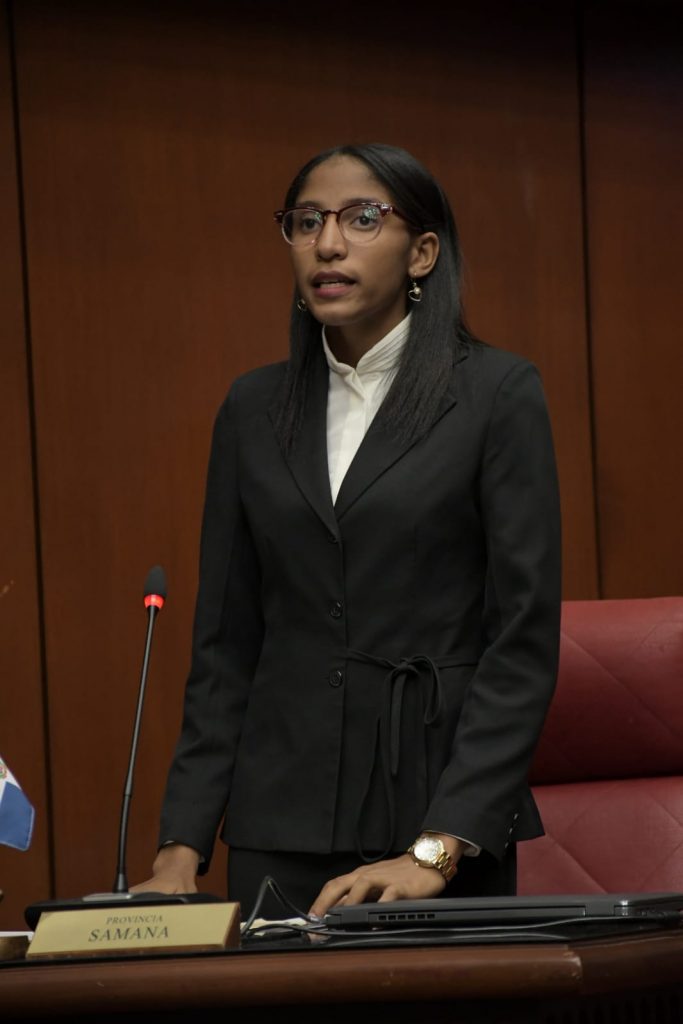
354	396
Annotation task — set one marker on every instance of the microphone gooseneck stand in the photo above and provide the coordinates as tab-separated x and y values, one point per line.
155	595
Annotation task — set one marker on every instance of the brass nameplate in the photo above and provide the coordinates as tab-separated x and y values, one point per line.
151	929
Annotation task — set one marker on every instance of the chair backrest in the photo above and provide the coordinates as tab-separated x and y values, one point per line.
608	772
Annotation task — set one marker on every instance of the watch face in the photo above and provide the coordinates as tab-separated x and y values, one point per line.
428	848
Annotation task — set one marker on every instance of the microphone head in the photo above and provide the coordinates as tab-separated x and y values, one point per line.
155	587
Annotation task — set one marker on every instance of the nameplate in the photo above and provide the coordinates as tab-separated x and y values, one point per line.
151	929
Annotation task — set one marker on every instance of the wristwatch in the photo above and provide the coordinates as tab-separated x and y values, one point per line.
429	852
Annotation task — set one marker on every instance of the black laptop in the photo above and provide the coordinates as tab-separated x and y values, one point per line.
663	908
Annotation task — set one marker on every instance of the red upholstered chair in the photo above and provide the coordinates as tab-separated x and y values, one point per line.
608	773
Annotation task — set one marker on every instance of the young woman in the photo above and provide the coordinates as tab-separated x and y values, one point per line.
377	623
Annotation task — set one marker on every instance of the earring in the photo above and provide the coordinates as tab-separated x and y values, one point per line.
414	292
301	305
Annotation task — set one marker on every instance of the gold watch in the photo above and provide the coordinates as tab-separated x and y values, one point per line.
429	852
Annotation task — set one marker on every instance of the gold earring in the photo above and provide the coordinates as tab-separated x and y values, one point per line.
301	305
414	292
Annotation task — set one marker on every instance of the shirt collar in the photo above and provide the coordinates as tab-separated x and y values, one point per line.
382	357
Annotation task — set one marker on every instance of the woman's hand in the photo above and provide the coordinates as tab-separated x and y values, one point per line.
174	870
397	879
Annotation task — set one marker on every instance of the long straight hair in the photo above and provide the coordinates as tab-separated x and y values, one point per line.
437	326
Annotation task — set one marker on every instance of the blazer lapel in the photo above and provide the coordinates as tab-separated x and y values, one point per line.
308	461
377	452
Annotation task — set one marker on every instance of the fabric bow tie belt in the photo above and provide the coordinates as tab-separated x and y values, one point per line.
418	671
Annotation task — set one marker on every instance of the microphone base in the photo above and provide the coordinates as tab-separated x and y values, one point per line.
114	899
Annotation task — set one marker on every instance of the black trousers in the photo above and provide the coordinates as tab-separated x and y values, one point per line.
301	876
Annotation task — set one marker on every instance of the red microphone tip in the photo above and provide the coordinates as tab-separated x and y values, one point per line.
155	588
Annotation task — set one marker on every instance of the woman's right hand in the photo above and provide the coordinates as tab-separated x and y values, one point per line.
174	870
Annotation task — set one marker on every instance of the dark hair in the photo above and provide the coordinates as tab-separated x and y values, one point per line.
437	326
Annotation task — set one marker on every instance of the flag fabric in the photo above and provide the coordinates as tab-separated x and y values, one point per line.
16	812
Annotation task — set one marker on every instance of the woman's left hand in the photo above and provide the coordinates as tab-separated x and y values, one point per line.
397	879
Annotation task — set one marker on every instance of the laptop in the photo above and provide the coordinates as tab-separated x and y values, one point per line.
663	908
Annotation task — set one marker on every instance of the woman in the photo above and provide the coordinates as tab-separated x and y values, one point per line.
377	622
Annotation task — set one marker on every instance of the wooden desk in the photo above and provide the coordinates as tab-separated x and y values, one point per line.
628	979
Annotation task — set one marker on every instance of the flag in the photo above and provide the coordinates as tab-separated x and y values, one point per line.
16	812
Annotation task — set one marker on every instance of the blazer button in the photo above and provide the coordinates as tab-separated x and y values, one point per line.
336	610
336	678
332	538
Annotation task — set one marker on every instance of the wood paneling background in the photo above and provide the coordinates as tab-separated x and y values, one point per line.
23	741
155	140
634	171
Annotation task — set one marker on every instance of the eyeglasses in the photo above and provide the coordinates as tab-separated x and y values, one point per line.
360	223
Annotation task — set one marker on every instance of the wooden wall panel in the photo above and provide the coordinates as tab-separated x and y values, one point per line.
158	139
24	876
634	140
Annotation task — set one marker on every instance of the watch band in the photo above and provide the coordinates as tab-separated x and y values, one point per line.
446	865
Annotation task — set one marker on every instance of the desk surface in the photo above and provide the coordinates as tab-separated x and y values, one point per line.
327	977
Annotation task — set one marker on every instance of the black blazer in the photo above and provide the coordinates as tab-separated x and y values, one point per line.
364	670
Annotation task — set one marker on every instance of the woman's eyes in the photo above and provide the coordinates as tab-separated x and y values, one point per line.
354	218
309	222
364	217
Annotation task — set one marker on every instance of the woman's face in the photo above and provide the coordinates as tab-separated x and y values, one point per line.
358	289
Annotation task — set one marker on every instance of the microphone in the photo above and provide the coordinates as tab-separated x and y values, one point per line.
154	598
